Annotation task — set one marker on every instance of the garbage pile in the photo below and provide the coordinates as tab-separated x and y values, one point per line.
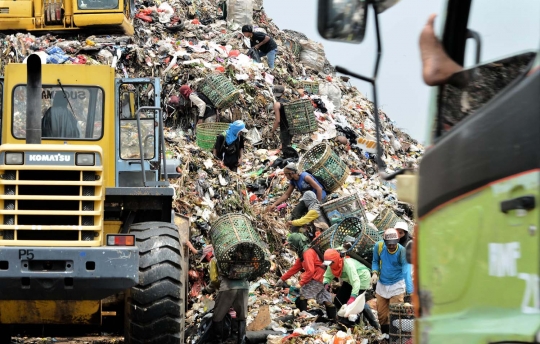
184	41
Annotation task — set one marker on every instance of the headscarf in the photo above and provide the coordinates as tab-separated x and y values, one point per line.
185	91
311	201
234	129
335	257
299	243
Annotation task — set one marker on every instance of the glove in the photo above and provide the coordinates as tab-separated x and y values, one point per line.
351	300
282	284
374	278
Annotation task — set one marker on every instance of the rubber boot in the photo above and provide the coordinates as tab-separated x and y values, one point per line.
301	304
218	331
331	312
241	332
368	314
385	329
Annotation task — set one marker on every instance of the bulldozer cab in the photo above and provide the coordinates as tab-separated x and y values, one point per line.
66	15
476	252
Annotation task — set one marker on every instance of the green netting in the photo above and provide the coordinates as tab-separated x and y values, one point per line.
300	117
220	90
326	166
238	247
310	86
346	206
207	132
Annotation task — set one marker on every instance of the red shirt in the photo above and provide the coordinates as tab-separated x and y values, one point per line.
312	265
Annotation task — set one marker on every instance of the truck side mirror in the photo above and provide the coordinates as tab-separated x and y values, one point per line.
408	251
342	20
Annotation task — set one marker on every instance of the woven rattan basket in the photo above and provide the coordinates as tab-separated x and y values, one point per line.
323	240
300	116
239	249
363	246
346	206
386	219
329	169
401	323
220	90
349	227
310	86
207	133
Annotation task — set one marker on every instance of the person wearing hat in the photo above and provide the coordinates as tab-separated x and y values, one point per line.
389	271
311	286
229	146
280	118
404	237
207	110
313	215
262	43
302	182
355	277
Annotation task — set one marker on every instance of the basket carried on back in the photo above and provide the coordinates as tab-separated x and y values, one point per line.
220	90
401	323
310	86
363	246
238	247
350	227
329	169
346	206
324	239
386	219
300	117
208	132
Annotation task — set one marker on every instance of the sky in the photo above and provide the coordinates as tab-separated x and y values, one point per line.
505	28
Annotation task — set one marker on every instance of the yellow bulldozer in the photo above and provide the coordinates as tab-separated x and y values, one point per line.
64	15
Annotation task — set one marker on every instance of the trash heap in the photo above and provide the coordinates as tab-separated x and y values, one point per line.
183	42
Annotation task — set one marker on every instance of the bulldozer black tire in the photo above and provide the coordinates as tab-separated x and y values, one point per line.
154	309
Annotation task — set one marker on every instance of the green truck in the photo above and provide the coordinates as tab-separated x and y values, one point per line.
476	249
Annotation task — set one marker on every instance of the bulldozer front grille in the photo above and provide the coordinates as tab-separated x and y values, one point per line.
40	206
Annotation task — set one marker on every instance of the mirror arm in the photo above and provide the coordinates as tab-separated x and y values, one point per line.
373	81
478	41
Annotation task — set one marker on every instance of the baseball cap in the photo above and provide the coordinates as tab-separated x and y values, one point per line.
278	90
391	236
402	225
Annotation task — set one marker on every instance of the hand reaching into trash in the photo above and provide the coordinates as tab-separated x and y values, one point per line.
282	284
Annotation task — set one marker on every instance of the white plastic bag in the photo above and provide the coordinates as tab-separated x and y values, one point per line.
357	306
332	92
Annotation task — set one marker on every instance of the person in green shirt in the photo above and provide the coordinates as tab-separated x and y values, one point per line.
356	279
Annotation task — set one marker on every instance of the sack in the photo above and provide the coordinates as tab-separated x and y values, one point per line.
239	12
254	54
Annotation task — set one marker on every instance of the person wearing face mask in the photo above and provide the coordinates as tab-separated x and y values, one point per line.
311	286
229	146
390	269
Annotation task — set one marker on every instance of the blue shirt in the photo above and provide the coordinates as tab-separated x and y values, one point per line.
394	266
303	186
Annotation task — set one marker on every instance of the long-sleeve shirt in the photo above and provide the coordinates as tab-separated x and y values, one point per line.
354	273
199	103
311	215
394	265
223	283
312	265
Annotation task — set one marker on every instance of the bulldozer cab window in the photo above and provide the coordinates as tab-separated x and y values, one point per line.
503	42
1	105
74	113
97	4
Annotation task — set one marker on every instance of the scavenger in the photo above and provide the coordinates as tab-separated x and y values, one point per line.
207	110
229	146
262	43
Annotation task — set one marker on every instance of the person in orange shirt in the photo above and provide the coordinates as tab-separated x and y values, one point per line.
311	286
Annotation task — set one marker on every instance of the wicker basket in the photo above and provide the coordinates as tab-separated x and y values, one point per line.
239	249
329	169
295	47
401	323
310	86
220	90
346	206
386	219
363	246
300	117
349	227
207	132
323	240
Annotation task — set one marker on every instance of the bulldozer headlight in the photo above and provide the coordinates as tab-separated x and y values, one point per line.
120	240
15	158
85	159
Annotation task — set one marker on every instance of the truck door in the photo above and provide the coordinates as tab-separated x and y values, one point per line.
131	95
1	104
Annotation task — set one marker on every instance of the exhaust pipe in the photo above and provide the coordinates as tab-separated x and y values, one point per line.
33	99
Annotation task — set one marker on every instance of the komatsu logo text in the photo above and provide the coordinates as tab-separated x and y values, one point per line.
50	157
